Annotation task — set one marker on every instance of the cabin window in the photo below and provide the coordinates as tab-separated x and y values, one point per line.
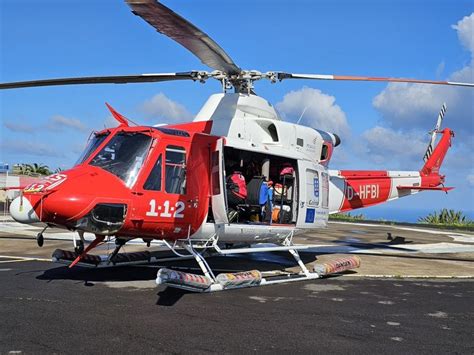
175	172
153	182
325	189
300	142
273	132
216	187
324	152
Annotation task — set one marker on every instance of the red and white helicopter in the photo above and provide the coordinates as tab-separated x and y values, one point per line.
173	183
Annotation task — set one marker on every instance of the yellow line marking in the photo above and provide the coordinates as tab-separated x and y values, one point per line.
21	258
13	261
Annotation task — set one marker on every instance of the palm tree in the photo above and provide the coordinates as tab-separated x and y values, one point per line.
36	169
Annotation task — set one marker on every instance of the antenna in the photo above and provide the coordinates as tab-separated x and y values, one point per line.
302	113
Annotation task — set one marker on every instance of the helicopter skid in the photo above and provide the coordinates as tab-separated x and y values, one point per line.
122	259
214	287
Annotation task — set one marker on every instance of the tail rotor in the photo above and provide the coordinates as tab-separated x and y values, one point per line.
434	132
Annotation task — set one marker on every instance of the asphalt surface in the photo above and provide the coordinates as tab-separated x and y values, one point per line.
47	308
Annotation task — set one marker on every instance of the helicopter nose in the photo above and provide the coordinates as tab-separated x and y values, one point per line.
22	211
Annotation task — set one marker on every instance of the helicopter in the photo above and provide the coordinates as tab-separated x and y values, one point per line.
236	177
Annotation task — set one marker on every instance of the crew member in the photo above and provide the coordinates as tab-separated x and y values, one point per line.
236	189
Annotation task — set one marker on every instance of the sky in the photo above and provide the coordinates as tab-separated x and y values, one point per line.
382	126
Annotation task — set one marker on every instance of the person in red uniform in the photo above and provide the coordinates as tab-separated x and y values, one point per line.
236	189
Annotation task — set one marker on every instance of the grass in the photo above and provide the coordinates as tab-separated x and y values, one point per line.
346	217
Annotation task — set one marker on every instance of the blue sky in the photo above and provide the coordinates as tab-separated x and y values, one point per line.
383	126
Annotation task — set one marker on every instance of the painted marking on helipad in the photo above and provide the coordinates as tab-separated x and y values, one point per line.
411	229
462	238
21	258
432	248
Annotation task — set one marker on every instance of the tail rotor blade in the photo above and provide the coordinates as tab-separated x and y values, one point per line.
429	149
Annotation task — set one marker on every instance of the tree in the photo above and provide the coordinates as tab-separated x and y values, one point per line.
445	216
36	169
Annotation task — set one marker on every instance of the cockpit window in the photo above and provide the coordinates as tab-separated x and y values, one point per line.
123	156
94	141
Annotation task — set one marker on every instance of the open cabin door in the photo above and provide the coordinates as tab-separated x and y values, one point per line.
218	187
313	203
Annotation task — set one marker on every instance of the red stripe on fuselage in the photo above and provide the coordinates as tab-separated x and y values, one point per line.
363	174
365	188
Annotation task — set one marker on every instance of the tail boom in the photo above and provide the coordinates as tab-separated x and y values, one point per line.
352	189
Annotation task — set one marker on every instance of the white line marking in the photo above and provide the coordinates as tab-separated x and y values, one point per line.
430	231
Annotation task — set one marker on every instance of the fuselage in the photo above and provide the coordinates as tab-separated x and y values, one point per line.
172	182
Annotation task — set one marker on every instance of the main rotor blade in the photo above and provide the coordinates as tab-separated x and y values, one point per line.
185	33
119	79
282	76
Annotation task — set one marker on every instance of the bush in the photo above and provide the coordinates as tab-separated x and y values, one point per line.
447	217
346	217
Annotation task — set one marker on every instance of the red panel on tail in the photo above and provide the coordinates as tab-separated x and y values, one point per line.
433	164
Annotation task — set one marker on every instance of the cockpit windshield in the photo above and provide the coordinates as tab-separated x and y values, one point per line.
123	155
92	145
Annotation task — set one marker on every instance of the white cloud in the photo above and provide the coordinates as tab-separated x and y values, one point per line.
465	28
165	110
19	127
321	110
403	104
389	147
59	122
470	179
440	69
416	106
29	148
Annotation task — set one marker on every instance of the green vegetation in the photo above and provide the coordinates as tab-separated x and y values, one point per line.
448	218
31	169
346	217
